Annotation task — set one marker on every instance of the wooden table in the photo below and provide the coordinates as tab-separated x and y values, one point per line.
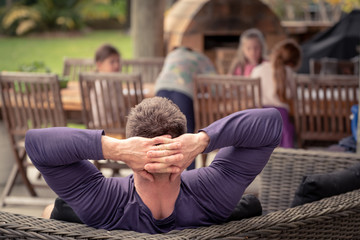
72	104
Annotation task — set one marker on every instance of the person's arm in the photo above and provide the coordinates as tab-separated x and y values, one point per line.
61	156
246	140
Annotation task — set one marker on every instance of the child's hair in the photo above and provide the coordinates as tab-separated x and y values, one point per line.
285	53
105	51
240	58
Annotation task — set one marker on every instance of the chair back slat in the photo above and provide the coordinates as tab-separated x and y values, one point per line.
107	99
217	96
323	106
333	66
31	100
148	68
73	66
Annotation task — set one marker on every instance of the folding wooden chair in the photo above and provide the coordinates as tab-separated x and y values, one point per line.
323	107
107	99
148	68
29	100
73	66
216	96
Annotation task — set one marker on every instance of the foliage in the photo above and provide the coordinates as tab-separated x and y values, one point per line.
25	16
105	9
43	15
346	5
35	66
40	67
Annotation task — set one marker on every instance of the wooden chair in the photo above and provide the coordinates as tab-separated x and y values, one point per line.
224	58
73	66
216	96
29	100
322	106
148	68
333	66
107	99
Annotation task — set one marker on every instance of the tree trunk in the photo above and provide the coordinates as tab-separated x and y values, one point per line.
147	27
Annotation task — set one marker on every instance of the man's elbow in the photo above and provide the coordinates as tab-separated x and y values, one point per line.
276	125
30	139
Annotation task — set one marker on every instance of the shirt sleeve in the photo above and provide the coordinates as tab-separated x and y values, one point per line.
246	140
61	155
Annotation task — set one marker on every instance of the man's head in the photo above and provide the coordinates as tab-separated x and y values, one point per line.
155	117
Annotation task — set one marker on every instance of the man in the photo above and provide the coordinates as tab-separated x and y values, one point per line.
158	202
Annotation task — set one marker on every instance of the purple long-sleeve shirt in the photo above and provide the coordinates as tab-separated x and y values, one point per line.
207	195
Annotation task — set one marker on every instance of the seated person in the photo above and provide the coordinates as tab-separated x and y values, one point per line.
168	198
107	59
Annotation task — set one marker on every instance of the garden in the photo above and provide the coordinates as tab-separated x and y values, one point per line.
36	36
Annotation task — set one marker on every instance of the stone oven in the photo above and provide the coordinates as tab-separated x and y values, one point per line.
214	26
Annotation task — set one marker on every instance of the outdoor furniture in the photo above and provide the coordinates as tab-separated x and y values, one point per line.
29	100
216	96
337	217
333	66
148	68
106	101
73	66
224	58
323	106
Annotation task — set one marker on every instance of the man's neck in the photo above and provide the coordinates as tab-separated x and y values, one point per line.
159	196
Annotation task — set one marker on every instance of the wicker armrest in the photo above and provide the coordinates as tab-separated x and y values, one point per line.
330	218
286	168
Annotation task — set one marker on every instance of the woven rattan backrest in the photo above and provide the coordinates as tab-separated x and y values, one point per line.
323	106
107	99
216	96
286	168
73	66
30	100
148	68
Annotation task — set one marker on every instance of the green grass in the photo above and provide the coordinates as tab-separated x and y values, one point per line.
15	51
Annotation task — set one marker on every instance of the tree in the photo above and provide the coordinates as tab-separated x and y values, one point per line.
147	21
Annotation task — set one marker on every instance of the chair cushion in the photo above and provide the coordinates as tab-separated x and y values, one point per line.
318	186
248	206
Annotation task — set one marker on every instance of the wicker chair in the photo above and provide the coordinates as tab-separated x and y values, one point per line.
337	217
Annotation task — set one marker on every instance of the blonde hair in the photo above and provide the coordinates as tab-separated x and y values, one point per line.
240	58
285	53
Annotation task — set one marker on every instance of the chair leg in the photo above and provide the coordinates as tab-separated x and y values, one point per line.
204	158
9	184
22	170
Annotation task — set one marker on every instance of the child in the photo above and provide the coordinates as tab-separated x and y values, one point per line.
107	59
250	53
175	80
277	79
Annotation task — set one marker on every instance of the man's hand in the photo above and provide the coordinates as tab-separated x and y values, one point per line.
191	146
133	151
